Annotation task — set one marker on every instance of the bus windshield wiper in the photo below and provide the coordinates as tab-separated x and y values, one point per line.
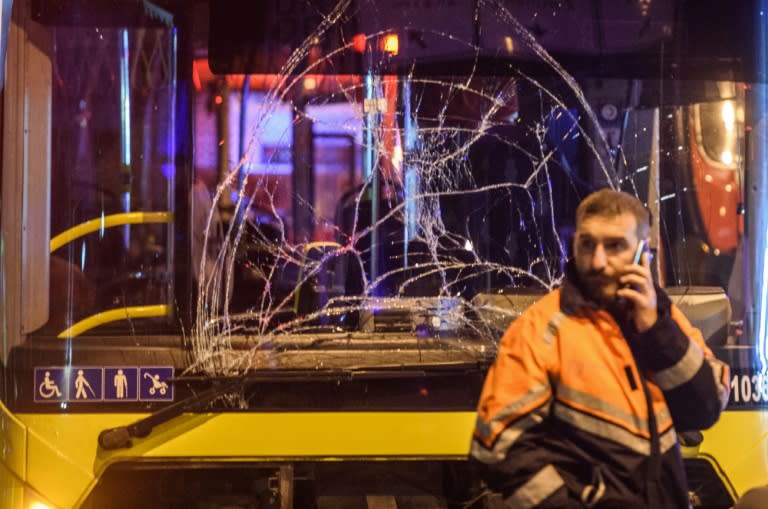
122	436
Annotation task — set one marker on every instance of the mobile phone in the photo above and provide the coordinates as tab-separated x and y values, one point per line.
639	252
636	259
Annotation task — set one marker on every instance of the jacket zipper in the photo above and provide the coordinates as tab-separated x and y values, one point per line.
653	472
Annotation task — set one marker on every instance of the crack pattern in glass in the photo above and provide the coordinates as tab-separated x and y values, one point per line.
460	212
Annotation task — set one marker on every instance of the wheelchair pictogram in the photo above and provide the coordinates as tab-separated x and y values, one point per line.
48	388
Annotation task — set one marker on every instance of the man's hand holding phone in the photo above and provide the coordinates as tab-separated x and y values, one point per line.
638	289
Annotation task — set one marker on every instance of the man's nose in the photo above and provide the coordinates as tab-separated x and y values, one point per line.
599	258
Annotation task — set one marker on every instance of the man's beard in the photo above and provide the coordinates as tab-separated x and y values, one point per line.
599	287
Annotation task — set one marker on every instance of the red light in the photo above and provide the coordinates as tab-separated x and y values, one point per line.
359	42
218	100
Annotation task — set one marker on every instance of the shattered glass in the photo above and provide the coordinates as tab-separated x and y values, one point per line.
378	184
465	183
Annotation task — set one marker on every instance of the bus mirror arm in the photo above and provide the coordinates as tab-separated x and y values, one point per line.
121	437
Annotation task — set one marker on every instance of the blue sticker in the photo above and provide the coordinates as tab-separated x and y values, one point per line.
121	384
50	385
85	384
111	383
154	383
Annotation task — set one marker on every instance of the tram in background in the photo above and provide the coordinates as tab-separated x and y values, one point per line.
259	254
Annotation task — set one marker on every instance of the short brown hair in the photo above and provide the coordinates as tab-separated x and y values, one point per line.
609	202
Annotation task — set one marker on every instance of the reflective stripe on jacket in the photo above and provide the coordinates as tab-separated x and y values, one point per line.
578	410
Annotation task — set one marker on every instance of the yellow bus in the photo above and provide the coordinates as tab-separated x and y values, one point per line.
259	254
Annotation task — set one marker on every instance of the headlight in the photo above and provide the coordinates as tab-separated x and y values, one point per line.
32	500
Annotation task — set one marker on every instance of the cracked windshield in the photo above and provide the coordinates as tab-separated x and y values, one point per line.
371	185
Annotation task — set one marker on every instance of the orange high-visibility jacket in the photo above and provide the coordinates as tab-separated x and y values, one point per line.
579	410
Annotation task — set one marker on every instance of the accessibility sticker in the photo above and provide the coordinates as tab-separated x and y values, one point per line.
155	384
99	384
50	384
85	384
121	384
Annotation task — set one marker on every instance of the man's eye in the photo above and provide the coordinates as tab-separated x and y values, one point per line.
615	247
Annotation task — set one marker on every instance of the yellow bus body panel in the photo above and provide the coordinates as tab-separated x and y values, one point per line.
13	443
739	443
11	489
64	461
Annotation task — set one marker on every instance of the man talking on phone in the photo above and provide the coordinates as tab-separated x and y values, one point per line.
591	384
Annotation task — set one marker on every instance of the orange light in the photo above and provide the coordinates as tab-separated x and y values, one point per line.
310	83
358	43
218	99
391	44
196	76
